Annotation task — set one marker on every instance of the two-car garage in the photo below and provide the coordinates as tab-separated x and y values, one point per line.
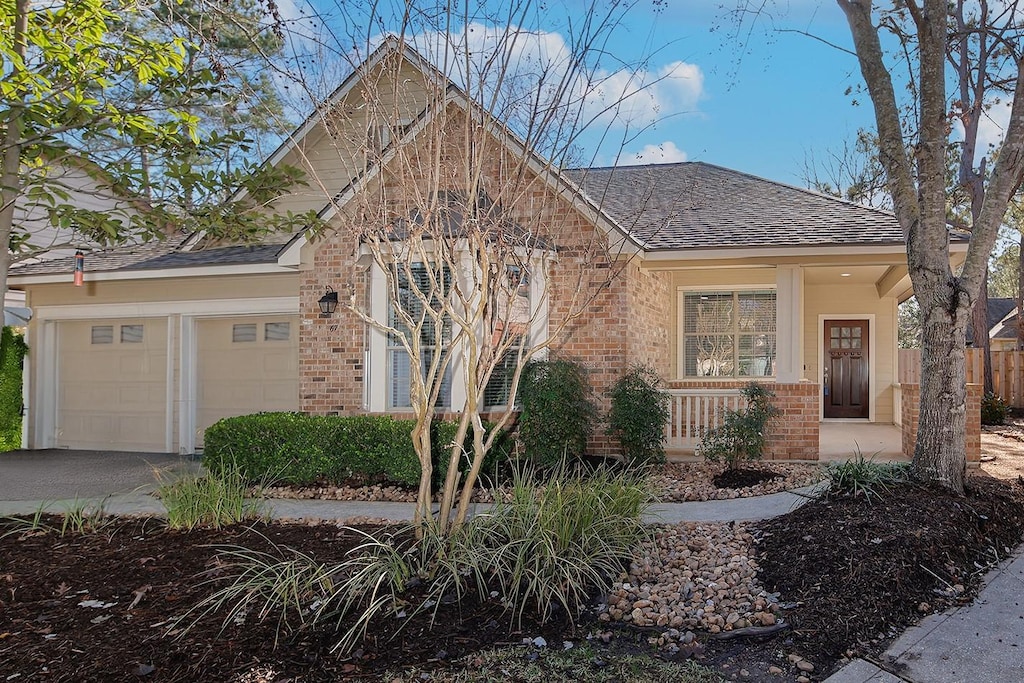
155	383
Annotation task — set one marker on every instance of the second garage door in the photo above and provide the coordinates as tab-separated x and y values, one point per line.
246	365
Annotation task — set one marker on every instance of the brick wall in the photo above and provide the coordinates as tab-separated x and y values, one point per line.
910	413
794	434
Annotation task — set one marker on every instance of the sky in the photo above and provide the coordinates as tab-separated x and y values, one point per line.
764	102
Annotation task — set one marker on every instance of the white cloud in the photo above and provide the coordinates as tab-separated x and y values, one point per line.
664	153
528	62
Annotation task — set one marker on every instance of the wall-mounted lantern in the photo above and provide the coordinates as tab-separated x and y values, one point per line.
329	302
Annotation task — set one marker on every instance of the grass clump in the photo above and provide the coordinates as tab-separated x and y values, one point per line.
544	549
75	517
557	665
861	476
211	500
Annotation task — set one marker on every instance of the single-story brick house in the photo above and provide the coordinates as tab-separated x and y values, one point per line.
791	287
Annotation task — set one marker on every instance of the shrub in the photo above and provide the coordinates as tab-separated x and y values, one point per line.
544	549
743	433
211	500
557	414
993	409
12	354
638	415
300	449
860	476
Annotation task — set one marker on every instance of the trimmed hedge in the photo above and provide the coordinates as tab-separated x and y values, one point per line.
12	353
295	448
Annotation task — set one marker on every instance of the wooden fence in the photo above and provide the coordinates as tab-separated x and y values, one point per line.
1007	372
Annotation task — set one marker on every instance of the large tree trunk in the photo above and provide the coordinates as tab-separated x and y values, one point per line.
979	321
940	451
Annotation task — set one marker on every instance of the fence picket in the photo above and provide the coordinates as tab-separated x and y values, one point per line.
1007	372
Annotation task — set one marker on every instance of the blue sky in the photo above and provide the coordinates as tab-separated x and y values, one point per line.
761	103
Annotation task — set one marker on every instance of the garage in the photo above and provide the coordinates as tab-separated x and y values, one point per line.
112	384
245	364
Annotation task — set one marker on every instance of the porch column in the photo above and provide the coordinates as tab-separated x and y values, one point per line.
789	338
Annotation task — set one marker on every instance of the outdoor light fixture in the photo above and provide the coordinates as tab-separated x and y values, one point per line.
329	302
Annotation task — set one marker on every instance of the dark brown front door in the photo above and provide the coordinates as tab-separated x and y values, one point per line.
846	383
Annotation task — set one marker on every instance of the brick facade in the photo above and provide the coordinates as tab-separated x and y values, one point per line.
911	408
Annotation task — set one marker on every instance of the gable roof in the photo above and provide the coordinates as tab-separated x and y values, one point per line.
998	310
696	205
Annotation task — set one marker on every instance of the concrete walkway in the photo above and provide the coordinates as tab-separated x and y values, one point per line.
979	643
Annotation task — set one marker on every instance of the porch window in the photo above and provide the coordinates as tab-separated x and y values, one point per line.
411	302
729	334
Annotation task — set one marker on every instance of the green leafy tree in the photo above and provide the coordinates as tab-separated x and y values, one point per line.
68	69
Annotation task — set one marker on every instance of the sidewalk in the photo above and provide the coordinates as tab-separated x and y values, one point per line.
978	643
140	503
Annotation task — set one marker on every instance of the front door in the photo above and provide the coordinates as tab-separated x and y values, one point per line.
846	383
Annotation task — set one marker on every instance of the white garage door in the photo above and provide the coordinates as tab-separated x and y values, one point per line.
112	384
246	365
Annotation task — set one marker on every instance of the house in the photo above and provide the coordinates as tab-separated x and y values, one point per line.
722	278
1002	324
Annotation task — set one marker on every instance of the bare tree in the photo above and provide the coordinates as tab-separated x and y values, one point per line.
976	46
485	255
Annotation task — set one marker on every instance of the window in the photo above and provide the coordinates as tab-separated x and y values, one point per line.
243	332
276	331
410	297
131	334
729	334
102	334
500	384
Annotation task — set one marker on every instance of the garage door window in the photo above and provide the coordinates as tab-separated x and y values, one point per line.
243	332
276	332
131	334
102	334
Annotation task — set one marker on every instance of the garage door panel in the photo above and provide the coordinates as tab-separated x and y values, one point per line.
113	394
243	377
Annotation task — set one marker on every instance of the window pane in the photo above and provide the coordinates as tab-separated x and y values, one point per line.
243	332
709	356
131	334
276	331
757	355
708	312
500	384
103	334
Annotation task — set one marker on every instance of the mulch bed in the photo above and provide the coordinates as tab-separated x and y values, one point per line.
743	477
853	575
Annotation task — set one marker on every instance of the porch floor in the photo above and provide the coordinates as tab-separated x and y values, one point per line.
838	441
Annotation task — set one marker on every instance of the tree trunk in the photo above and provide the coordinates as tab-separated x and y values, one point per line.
10	176
979	321
940	453
1020	292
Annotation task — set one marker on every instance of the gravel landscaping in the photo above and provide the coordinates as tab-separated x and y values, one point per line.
673	483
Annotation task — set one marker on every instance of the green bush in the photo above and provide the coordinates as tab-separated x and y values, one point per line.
993	409
860	476
12	354
638	415
743	433
557	414
295	448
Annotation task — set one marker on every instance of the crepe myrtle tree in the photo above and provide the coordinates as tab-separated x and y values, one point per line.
84	113
485	269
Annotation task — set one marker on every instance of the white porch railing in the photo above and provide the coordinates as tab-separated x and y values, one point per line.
694	412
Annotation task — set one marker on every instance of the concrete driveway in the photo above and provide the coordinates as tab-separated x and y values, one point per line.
53	475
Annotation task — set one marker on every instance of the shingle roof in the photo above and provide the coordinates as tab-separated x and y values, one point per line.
154	256
1009	328
695	205
998	308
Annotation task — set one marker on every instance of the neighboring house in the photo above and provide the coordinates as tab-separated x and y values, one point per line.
1002	325
732	278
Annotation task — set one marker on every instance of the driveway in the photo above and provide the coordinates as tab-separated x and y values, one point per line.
52	475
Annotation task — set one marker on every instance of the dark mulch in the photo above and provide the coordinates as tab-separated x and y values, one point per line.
861	573
743	477
45	634
856	574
